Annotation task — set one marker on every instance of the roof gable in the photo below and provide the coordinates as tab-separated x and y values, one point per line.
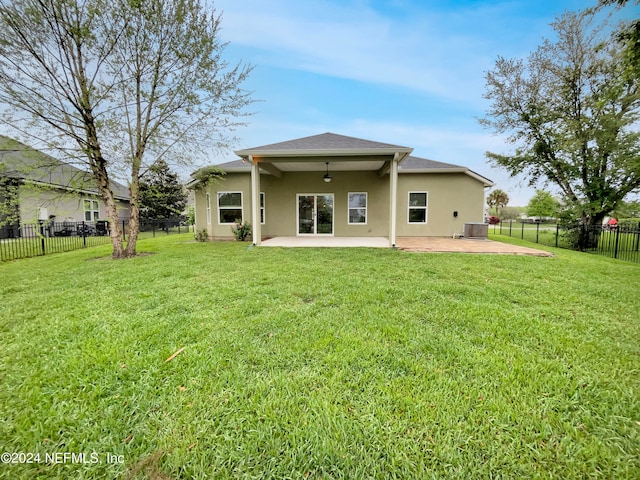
324	142
423	165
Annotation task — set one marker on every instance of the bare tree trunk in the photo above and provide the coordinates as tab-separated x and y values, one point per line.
590	231
115	231
99	169
134	221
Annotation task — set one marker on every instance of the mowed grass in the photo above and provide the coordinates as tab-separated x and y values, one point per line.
320	363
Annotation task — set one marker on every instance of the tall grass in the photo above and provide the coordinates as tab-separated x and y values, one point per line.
320	363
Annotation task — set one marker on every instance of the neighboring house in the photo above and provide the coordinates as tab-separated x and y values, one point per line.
37	187
333	185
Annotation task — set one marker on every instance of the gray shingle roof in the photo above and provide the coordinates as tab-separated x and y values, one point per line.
331	143
323	141
234	164
417	163
20	161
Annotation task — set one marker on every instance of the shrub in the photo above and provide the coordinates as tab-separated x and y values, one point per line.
201	236
241	230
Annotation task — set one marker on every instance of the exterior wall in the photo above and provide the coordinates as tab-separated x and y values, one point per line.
232	182
447	192
64	205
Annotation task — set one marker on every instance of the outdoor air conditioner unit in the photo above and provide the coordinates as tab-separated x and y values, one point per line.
476	230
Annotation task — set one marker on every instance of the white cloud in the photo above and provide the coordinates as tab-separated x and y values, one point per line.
431	52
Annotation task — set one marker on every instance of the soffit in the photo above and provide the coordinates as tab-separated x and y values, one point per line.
319	163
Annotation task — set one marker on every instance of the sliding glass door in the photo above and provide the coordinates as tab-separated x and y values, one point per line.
315	214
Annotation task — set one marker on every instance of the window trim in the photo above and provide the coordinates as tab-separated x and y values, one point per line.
234	207
366	208
425	208
208	208
93	210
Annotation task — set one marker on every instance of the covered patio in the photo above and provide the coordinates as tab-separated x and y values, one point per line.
317	154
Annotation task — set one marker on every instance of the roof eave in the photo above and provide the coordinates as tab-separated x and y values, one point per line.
337	152
434	170
246	169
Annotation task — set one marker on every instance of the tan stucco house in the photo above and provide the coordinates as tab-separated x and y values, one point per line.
334	185
35	187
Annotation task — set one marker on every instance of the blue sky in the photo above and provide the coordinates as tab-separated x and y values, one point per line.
407	72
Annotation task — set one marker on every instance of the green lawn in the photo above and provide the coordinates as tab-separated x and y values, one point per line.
319	363
545	233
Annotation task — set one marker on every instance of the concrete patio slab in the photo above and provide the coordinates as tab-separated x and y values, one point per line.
465	245
375	242
409	244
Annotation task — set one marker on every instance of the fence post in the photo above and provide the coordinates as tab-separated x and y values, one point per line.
638	238
124	232
510	226
42	242
537	231
84	234
557	233
615	249
522	232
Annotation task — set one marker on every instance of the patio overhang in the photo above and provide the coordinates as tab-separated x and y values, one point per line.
346	162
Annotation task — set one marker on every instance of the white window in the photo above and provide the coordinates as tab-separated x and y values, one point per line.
262	217
417	207
91	210
208	209
229	207
357	206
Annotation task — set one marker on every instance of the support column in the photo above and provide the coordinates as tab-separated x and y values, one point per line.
393	200
255	201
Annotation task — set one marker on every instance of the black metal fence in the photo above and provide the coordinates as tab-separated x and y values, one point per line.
620	241
43	238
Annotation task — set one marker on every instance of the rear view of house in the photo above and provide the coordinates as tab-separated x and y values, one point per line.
334	185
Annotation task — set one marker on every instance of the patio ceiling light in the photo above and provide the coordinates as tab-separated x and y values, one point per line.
326	177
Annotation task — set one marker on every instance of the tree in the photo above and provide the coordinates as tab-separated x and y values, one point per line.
9	207
511	213
543	204
497	199
111	83
629	38
161	193
570	110
628	210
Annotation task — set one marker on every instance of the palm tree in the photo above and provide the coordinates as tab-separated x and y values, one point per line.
497	199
